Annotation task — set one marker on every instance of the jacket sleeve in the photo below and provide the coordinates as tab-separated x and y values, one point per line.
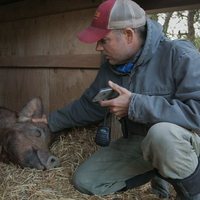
183	108
80	112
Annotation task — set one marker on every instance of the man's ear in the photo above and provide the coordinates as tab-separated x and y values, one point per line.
129	34
34	108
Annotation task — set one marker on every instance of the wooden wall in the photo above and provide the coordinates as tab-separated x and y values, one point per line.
40	54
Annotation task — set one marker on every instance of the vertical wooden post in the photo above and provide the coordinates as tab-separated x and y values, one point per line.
116	131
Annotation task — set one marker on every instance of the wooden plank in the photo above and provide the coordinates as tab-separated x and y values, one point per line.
56	61
56	87
49	35
31	9
67	85
116	130
18	86
37	8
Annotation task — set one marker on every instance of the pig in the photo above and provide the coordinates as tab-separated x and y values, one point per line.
23	142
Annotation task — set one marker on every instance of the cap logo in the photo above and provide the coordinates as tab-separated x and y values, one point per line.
97	15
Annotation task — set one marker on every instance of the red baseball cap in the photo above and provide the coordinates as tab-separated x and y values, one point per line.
113	14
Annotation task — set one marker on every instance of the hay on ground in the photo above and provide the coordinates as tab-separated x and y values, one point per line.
55	184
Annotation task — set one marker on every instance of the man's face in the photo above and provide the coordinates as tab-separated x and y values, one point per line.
117	47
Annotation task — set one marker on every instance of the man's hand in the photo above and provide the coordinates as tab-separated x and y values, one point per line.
43	119
119	105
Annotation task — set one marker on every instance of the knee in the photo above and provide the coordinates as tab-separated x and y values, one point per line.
168	147
158	134
159	140
79	182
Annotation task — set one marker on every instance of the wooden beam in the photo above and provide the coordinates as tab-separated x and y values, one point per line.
30	9
83	61
37	8
163	5
5	2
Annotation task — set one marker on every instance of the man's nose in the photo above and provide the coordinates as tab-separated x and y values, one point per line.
99	46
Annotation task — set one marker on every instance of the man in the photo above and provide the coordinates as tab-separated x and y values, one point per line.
159	98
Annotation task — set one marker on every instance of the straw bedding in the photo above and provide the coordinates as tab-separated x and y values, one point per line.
55	184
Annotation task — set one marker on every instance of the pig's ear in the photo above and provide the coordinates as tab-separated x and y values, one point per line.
33	108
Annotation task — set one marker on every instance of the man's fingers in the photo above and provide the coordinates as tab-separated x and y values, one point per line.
106	103
116	87
40	120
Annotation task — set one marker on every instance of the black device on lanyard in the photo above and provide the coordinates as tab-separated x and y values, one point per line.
103	135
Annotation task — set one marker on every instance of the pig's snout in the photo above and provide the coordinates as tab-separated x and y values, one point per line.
52	162
47	159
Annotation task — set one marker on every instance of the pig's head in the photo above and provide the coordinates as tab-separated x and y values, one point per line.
27	143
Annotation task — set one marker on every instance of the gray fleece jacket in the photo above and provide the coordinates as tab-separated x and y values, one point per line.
165	83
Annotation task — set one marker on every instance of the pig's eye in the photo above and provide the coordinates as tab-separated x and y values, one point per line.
38	132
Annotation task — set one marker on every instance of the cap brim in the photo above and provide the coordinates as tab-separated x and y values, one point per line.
92	34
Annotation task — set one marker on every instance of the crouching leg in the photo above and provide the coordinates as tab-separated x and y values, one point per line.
115	168
173	152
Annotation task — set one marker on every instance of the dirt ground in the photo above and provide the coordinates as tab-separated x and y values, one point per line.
55	184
